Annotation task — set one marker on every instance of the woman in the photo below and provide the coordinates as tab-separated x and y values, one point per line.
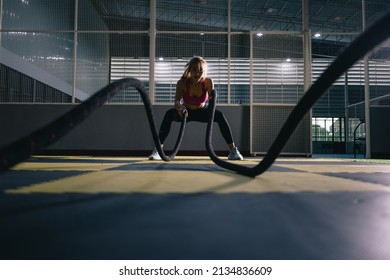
192	94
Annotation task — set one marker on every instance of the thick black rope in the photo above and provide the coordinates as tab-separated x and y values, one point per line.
368	40
38	140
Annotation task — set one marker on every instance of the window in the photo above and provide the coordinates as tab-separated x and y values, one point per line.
328	129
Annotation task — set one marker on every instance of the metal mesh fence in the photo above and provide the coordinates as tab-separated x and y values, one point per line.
57	51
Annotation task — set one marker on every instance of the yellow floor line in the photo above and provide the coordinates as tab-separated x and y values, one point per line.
100	179
196	182
65	166
339	168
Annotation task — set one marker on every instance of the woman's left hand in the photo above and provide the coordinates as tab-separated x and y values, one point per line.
183	112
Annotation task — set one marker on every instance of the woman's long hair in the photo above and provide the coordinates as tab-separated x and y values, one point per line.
196	61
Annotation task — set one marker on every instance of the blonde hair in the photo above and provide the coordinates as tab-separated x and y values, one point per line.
195	61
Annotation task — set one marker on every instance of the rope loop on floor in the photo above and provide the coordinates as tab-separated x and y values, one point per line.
40	139
378	33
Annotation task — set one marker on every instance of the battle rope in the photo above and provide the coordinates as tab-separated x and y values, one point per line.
38	140
368	40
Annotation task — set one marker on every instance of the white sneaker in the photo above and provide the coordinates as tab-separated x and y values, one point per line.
154	155
235	154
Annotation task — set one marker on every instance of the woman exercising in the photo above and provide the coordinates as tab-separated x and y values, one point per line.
192	94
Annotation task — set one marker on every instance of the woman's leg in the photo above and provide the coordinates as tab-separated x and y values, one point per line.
202	116
224	127
170	116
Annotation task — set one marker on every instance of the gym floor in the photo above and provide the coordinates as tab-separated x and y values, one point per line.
54	207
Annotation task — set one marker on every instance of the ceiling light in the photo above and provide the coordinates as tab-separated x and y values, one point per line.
259	34
271	10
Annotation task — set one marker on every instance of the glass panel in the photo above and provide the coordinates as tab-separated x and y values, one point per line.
44	57
38	15
276	15
114	15
92	63
189	45
196	15
277	69
38	42
335	16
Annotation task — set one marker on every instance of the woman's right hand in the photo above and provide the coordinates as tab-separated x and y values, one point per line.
181	109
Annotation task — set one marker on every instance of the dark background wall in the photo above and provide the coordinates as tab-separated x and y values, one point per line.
120	129
380	132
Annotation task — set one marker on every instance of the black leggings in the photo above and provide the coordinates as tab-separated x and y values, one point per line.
199	115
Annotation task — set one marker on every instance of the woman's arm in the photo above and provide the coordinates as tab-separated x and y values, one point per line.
179	91
178	98
209	86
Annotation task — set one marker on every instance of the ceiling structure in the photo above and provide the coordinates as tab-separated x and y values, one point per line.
250	15
337	21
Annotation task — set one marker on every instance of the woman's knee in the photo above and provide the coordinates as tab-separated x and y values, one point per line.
219	116
171	112
170	115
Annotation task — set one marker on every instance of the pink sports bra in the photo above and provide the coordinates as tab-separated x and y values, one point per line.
195	100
